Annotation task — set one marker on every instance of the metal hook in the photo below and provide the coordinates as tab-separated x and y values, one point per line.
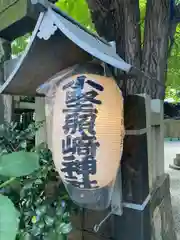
104	68
98	226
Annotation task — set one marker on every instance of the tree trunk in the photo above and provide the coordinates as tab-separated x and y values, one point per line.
155	51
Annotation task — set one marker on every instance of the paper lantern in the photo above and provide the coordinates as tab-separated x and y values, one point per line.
87	136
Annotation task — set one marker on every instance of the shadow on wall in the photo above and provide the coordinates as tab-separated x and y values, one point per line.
171	110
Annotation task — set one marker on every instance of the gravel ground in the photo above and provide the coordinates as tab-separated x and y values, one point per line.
170	149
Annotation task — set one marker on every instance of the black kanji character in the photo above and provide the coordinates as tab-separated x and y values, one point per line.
90	96
95	85
87	123
69	158
86	147
71	97
85	184
71	168
68	146
81	109
68	85
79	122
74	99
88	184
71	123
80	82
87	165
86	137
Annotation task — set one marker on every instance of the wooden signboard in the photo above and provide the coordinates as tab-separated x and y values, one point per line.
17	17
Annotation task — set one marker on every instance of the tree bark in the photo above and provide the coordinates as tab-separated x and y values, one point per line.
156	37
132	32
119	20
128	39
103	15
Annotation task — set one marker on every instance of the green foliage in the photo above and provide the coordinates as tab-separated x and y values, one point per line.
14	140
173	79
20	44
78	10
142	5
9	219
172	94
39	197
18	164
42	201
65	228
173	74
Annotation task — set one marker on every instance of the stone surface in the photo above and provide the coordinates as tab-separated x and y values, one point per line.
171	149
161	211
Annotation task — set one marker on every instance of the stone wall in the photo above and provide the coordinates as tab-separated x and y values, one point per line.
171	128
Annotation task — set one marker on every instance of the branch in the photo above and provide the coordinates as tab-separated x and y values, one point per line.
7	182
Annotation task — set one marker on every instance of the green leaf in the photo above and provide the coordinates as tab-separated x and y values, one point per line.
8	219
78	10
65	228
18	164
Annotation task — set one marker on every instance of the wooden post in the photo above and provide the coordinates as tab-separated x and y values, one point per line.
41	135
8	108
157	126
6	100
146	195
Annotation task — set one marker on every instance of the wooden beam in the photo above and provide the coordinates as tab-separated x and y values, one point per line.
157	125
24	105
41	134
16	18
8	108
6	100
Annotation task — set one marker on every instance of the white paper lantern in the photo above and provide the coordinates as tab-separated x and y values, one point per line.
87	137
